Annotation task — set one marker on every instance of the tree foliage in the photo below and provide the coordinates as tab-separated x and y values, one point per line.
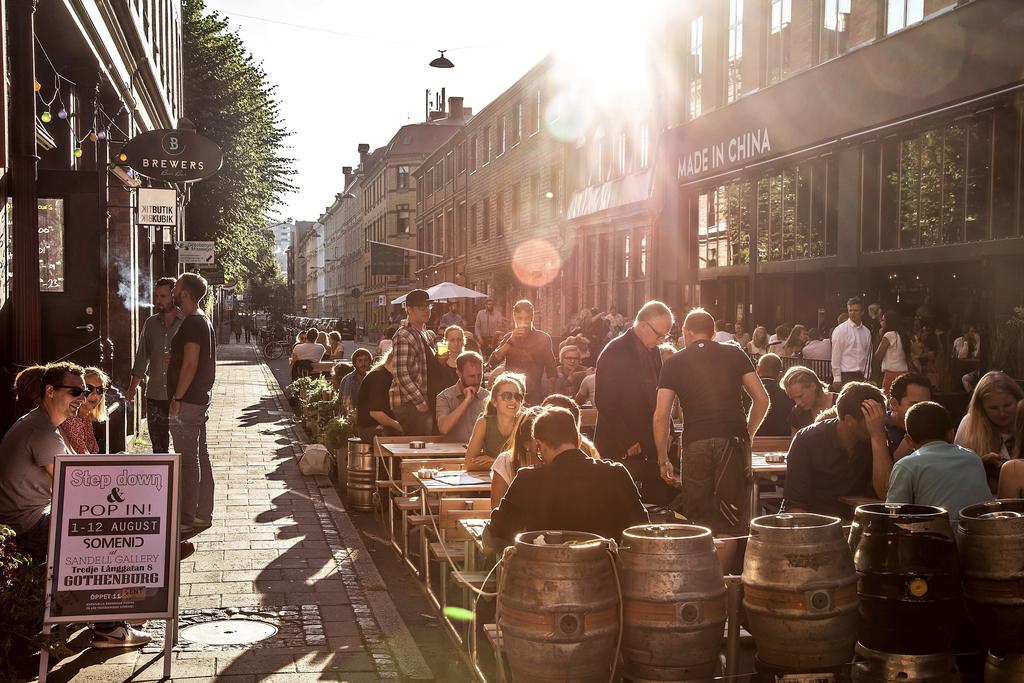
229	99
268	294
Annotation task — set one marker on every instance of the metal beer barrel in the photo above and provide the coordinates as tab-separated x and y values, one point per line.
1004	669
873	666
362	475
558	607
800	592
673	602
908	578
991	543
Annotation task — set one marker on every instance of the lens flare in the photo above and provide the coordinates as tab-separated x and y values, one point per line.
458	613
536	263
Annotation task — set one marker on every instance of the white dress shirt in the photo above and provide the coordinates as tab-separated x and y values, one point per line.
851	350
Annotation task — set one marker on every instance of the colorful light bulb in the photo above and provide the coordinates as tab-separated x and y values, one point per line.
78	152
102	135
62	114
122	156
37	86
93	137
46	117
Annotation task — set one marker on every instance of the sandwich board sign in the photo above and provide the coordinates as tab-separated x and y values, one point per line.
113	553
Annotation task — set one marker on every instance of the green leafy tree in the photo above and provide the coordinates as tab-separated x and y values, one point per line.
229	99
269	293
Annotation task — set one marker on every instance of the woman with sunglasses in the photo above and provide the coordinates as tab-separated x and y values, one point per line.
78	430
522	452
493	430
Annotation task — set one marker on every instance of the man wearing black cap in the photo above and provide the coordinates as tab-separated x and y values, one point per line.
411	351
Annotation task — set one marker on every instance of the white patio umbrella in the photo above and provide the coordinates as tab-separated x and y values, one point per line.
445	291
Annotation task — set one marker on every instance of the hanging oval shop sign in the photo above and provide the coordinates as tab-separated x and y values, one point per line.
174	156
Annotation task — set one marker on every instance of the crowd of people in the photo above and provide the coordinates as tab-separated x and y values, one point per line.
61	403
678	405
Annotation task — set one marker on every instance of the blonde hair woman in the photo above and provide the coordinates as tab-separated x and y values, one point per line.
522	452
493	430
809	393
78	431
987	427
758	344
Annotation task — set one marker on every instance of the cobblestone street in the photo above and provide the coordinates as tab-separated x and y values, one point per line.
282	550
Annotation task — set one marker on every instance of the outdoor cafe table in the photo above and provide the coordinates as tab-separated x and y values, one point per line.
764	472
449	483
429	450
323	367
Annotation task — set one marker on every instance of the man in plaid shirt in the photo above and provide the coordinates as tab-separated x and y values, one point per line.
412	353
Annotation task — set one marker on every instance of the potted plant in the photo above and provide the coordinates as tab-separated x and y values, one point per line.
336	434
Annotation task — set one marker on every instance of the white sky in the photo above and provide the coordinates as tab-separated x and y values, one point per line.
338	91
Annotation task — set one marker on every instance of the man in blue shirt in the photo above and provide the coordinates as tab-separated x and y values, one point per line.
939	472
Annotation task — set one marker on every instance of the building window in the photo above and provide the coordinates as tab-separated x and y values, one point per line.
846	24
439	176
429	182
537	113
499	213
402	219
696	69
472	224
486	227
903	13
403	177
461	228
449	167
723	225
643	256
487	144
440	233
450	236
472	153
645	145
951	184
621	154
516	203
789	39
624	272
796	212
460	157
517	122
734	55
502	132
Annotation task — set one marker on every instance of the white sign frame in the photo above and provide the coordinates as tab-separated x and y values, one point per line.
171	574
192	252
149	198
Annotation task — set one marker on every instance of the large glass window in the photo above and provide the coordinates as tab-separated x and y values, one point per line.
846	24
723	225
950	184
696	65
734	55
790	31
796	216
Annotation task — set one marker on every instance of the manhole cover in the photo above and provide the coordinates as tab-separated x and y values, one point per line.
229	632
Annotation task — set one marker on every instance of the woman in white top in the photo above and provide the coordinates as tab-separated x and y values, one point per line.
522	452
758	344
968	347
892	349
987	428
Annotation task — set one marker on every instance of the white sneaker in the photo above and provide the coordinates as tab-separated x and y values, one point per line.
121	635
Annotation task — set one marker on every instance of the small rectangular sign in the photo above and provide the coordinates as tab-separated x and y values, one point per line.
197	253
158	207
214	275
113	538
386	259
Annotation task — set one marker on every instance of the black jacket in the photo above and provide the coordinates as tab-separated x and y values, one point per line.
573	493
625	398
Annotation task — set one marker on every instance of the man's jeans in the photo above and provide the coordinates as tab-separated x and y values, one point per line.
189	432
35	541
414	423
156	418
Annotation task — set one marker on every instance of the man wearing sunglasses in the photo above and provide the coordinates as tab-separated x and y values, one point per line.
411	352
626	392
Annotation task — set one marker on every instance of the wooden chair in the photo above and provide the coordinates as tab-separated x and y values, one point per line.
588	418
451	540
409	504
769	444
389	468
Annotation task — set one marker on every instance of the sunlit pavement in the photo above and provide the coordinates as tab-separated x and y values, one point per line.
281	550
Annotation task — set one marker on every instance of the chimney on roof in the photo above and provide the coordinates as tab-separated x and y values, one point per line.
455	107
347	172
364	152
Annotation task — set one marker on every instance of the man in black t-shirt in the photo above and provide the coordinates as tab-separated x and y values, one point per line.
190	375
776	422
373	404
708	378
